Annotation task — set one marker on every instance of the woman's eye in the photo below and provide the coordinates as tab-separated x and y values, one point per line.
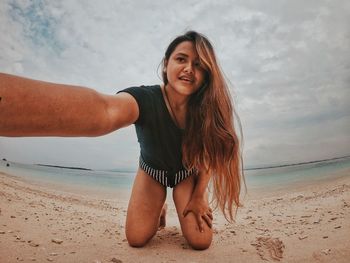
199	65
180	59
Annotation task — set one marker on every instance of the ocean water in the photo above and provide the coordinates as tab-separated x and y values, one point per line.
71	177
297	173
109	180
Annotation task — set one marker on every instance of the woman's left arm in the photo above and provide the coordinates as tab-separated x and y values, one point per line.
199	204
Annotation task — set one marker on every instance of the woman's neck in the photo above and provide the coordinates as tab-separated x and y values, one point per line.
177	101
177	106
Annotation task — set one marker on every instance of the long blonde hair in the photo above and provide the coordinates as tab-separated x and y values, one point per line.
210	142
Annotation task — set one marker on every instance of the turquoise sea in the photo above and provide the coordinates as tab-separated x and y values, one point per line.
261	177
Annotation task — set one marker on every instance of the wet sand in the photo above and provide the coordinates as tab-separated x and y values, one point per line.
303	223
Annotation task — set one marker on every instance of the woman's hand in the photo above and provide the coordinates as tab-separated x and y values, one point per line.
198	205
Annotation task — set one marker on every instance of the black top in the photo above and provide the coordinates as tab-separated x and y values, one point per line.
160	139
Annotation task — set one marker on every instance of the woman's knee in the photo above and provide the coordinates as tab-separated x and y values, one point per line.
200	241
137	238
137	241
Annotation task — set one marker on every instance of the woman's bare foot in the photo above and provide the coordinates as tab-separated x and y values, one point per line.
162	218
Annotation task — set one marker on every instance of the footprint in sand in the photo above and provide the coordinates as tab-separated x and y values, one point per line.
268	246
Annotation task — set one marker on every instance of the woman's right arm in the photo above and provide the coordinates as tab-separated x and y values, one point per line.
37	108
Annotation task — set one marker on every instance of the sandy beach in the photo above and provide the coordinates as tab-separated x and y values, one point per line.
303	223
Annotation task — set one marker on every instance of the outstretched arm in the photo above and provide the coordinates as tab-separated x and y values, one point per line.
37	108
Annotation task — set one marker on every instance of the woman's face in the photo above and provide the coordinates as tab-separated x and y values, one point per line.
184	72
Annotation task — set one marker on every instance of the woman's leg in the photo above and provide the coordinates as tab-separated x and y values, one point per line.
162	218
144	210
182	195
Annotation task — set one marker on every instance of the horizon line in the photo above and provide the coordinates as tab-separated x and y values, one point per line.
244	169
295	164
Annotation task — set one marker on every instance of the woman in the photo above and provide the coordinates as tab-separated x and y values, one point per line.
185	128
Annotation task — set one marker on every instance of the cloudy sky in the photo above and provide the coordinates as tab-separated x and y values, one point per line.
288	63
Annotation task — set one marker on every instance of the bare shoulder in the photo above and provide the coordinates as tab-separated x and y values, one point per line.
122	109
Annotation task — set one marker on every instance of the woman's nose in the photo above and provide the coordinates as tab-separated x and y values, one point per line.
189	68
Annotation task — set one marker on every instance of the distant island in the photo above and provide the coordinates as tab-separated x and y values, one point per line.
65	167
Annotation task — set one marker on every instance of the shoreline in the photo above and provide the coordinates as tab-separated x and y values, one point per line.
124	192
65	188
305	223
340	176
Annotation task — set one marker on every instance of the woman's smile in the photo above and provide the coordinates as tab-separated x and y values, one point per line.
187	79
